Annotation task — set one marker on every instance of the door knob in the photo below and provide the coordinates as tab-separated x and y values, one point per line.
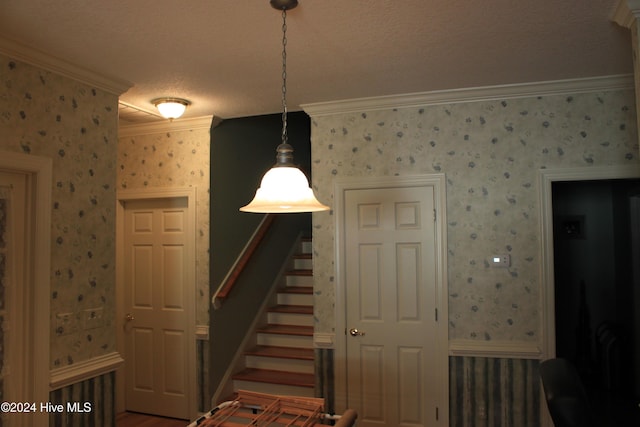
355	332
129	317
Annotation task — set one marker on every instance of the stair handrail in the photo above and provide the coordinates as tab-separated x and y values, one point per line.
238	266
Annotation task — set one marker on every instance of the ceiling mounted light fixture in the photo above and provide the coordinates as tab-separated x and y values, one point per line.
171	108
284	188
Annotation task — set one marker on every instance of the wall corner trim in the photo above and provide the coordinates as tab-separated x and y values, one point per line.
87	369
476	94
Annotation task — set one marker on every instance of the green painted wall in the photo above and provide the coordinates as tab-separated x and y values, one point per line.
242	150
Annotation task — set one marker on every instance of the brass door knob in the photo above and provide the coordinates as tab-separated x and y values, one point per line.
355	332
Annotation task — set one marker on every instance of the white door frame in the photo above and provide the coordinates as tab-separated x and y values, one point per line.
124	196
546	177
34	342
438	182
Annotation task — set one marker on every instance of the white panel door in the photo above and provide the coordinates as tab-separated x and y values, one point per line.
390	302
158	304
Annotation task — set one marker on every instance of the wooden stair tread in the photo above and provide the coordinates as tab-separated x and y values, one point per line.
287	330
305	290
276	377
281	352
291	309
300	272
287	342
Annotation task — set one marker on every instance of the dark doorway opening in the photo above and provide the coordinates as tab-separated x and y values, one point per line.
597	290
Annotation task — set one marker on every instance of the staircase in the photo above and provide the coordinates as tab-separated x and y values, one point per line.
281	359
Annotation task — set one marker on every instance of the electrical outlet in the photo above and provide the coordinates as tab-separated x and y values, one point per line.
501	261
93	318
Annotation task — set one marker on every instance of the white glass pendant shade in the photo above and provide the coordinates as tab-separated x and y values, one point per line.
284	189
171	108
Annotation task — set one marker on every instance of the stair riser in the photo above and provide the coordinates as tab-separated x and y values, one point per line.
285	340
279	389
306	247
295	299
290	319
278	364
257	366
293	280
303	264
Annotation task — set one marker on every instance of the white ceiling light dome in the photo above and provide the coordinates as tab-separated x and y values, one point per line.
171	108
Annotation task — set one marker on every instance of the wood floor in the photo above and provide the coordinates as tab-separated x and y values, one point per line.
134	419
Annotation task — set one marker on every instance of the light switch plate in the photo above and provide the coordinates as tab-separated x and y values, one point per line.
501	261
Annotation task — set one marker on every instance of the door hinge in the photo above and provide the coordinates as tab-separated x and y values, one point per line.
436	314
434	215
437	414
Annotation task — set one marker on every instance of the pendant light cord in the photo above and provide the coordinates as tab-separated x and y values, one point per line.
284	77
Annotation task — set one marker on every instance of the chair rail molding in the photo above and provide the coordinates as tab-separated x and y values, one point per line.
496	349
87	369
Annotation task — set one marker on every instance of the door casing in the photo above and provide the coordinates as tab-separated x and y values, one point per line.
34	343
148	194
438	182
546	177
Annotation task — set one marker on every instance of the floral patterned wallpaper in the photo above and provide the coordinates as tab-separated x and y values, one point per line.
44	114
174	159
490	153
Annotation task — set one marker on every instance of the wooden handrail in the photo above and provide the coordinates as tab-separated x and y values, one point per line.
232	276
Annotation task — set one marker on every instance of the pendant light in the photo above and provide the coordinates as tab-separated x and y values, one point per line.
284	188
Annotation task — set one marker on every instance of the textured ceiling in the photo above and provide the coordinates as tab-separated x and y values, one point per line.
225	55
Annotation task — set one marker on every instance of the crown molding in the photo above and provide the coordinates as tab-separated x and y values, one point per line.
163	126
63	68
487	93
